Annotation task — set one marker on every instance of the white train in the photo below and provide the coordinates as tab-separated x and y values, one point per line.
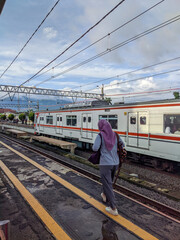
150	130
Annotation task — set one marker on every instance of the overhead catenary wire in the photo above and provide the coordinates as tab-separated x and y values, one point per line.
144	92
141	78
30	38
130	72
136	79
97	41
142	95
75	41
155	28
97	23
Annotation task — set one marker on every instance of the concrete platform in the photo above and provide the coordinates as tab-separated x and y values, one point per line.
20	127
15	132
62	144
70	205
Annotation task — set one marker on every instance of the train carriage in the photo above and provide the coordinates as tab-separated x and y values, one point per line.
150	130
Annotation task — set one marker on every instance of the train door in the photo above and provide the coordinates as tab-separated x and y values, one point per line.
143	130
36	122
59	128
138	130
41	122
132	129
87	125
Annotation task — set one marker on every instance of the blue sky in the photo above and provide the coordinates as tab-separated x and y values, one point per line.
68	21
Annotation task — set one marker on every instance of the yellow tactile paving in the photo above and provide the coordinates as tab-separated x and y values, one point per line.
55	229
119	219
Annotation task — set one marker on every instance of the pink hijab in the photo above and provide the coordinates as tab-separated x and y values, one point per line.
108	135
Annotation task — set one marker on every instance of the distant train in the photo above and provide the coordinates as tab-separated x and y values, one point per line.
150	130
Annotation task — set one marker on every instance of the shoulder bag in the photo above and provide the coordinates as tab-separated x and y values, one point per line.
95	157
121	151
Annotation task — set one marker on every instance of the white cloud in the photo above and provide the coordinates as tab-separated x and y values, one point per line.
71	19
50	33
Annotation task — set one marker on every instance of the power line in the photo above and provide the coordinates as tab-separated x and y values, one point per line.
144	92
72	44
30	38
136	79
120	75
157	27
123	25
75	41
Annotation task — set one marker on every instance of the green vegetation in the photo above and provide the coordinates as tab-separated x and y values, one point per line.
176	95
3	117
22	117
109	100
11	116
31	116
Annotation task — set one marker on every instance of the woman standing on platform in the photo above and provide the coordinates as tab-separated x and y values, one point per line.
109	162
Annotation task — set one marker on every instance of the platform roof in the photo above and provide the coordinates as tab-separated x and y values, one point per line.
2	2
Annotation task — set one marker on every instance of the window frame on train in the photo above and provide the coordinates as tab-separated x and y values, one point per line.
71	120
173	120
111	118
142	120
49	119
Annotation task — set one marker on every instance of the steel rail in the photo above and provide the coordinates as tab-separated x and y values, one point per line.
162	209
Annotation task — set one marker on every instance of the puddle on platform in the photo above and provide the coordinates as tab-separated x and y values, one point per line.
108	231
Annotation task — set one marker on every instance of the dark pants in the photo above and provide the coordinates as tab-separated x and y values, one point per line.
107	173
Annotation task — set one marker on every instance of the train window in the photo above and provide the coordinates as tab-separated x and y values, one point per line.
112	119
133	120
60	119
68	121
89	119
172	123
57	119
103	117
143	120
71	120
49	119
84	119
74	120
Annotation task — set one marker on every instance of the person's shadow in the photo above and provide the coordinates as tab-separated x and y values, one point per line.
108	231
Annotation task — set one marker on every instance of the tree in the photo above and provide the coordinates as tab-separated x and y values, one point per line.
31	116
176	95
109	100
3	117
11	116
22	117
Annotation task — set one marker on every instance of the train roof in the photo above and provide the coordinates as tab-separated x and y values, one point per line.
98	104
148	102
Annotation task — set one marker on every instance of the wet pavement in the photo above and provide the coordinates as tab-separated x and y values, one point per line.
77	217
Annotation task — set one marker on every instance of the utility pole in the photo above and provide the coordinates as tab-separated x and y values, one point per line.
38	105
102	91
18	104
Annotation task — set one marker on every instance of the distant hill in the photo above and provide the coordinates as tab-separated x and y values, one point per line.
24	104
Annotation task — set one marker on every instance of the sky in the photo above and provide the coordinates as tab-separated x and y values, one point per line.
71	19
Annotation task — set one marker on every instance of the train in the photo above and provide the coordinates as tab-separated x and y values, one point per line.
150	130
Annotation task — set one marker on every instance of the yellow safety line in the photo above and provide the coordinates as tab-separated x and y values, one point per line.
51	224
119	219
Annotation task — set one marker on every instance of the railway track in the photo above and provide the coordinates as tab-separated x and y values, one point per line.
173	214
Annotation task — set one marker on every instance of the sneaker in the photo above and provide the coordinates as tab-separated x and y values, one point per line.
103	197
111	211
